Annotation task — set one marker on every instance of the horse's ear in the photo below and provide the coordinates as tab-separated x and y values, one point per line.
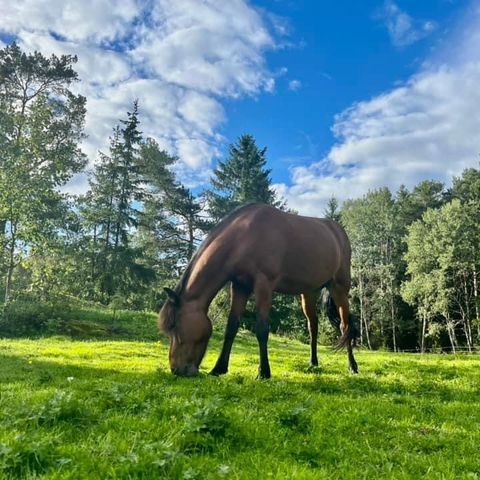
172	296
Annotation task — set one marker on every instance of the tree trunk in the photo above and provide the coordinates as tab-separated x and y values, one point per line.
382	314
466	316
367	333
475	296
424	329
361	322
451	335
93	264
467	333
11	261
394	329
363	313
392	313
191	239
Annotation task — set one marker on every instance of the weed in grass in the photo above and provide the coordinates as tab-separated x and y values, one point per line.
204	426
296	418
24	456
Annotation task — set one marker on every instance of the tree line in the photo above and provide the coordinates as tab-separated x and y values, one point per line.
415	253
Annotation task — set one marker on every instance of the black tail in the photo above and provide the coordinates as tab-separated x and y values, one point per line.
332	313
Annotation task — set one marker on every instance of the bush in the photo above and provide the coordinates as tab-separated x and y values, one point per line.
25	317
30	317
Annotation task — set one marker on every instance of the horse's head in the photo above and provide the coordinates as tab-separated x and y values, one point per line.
189	329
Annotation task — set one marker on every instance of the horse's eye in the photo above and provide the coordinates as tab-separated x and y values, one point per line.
171	321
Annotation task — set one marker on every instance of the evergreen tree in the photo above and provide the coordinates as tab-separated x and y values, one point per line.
110	212
171	222
242	178
412	205
189	219
332	211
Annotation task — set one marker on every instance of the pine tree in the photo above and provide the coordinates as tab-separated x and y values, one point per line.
171	219
110	212
242	178
332	211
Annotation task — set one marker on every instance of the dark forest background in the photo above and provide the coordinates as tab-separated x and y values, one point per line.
416	253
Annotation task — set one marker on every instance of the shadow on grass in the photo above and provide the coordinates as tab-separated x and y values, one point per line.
37	373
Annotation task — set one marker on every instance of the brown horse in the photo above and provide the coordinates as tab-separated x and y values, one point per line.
261	250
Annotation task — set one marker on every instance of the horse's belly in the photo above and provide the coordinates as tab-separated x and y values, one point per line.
295	285
308	270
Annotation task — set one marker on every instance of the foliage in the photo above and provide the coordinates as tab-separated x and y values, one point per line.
372	227
31	317
442	263
242	178
41	123
333	210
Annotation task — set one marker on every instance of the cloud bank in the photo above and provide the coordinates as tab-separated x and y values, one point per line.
426	128
180	58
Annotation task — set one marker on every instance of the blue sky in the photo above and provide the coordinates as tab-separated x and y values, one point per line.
341	52
347	95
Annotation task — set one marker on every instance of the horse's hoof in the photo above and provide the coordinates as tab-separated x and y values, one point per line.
264	375
216	372
353	368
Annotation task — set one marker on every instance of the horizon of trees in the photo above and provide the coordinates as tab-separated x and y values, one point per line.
415	254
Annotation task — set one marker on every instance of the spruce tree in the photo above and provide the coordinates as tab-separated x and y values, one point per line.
171	219
332	210
242	178
110	211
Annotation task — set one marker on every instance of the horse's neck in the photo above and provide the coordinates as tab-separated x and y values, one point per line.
205	280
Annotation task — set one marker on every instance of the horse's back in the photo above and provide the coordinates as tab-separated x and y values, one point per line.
297	253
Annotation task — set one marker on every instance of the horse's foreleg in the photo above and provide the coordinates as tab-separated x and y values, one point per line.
309	307
263	300
238	302
341	300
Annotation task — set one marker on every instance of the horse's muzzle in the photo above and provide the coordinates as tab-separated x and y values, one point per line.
188	370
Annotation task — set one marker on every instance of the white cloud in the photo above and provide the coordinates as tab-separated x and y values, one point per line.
180	58
294	85
426	128
89	20
402	28
211	46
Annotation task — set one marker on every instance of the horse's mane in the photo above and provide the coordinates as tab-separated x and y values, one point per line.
207	241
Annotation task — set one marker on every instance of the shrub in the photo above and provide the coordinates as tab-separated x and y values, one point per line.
27	316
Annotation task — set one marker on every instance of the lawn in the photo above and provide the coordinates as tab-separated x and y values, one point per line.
111	409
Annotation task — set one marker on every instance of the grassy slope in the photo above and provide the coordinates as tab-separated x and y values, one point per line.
72	409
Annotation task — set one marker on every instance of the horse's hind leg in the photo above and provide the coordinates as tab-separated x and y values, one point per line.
238	300
340	297
263	300
309	307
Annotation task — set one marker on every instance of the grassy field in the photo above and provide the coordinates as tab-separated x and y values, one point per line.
98	409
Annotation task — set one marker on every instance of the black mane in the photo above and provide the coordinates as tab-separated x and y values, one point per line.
206	242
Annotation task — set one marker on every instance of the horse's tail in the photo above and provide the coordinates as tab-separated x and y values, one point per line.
333	316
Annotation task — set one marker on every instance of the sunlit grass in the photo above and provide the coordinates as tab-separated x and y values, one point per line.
111	409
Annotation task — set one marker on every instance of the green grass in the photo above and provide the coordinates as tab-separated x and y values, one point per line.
111	409
31	318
